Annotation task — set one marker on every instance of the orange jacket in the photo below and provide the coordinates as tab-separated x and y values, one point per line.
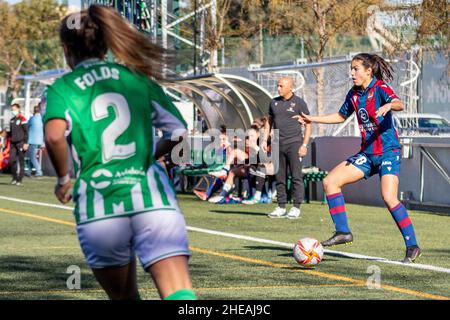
4	155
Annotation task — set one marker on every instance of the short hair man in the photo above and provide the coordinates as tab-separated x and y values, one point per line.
293	145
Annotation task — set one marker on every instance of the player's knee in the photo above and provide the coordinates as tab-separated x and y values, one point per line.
390	200
329	183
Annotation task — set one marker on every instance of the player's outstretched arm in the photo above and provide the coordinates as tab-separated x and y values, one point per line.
395	105
58	151
328	119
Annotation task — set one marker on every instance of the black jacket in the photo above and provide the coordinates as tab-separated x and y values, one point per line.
18	129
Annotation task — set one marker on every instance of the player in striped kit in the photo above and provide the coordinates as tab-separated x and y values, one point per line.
372	100
108	112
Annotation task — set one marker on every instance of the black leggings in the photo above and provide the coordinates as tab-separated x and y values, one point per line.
17	161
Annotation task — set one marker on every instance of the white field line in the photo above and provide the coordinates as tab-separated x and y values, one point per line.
276	243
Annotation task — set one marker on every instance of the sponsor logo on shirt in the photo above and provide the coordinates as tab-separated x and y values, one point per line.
366	124
363	115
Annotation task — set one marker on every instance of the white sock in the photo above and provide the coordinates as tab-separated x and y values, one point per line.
257	195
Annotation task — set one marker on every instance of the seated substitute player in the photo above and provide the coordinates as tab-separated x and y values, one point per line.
373	101
124	203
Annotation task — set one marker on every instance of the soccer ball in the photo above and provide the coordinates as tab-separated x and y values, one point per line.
308	252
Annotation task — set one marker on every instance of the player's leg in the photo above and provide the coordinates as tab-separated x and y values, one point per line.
258	173
343	174
226	188
107	247
281	182
389	191
119	283
171	277
21	160
160	241
295	166
13	162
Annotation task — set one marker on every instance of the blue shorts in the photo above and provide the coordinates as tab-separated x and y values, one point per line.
387	163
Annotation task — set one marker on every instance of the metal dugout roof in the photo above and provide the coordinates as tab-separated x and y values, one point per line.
222	99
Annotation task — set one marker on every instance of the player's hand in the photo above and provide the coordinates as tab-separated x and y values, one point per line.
25	147
303	151
384	109
264	146
303	119
62	192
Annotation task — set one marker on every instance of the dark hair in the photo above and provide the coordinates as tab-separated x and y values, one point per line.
260	122
90	33
223	129
381	69
15	105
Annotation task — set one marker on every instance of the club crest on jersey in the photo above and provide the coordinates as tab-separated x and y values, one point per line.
363	115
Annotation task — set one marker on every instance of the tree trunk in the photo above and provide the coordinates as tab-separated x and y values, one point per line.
320	72
13	85
260	45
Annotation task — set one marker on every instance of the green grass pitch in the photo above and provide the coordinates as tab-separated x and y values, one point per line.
39	243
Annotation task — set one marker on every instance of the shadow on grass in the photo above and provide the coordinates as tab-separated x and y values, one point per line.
25	275
239	212
284	252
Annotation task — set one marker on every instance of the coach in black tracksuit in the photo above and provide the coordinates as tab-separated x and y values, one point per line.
18	133
293	145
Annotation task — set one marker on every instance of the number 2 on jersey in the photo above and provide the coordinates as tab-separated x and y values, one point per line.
111	150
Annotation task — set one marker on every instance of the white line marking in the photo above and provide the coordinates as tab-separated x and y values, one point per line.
42	204
331	252
272	242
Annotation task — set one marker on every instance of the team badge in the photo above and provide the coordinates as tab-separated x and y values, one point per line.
363	115
291	108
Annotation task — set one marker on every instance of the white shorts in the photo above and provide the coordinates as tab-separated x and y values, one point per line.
153	236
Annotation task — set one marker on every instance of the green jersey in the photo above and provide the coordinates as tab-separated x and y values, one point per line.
112	114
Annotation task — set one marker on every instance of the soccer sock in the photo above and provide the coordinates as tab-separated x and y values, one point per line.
404	223
336	203
259	183
214	187
183	294
225	190
257	195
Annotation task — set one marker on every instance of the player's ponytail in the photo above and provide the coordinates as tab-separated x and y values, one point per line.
381	69
91	32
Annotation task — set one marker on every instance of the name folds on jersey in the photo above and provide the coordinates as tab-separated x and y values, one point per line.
92	76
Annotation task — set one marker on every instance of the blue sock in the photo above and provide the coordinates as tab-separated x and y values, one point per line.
214	187
336	203
404	223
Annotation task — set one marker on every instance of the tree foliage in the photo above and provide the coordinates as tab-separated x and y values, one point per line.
29	39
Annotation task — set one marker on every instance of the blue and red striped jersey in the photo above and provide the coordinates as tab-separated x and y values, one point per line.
378	134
